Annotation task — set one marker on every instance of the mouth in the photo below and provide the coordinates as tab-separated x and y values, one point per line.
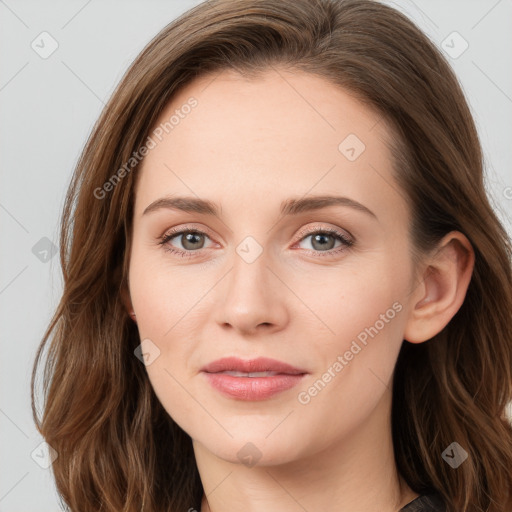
256	379
250	374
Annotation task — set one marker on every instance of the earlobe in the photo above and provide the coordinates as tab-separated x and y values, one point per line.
442	290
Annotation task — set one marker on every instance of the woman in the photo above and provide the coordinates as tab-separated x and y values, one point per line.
285	287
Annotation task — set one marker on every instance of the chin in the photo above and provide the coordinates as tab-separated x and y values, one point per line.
255	448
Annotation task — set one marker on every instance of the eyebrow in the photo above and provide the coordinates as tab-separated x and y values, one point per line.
292	206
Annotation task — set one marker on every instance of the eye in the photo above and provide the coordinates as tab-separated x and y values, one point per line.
191	240
323	241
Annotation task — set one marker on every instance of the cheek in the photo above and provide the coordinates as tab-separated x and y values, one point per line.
162	293
362	312
354	366
349	300
167	307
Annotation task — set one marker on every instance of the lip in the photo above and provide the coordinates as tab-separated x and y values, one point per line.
252	388
261	364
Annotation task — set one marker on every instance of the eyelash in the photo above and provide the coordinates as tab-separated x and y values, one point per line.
347	243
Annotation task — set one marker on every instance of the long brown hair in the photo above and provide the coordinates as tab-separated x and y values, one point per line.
118	449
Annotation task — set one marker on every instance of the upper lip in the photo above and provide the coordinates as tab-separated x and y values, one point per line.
261	364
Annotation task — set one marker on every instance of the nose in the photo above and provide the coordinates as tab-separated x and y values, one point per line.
253	298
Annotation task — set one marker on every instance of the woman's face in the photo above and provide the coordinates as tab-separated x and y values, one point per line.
270	274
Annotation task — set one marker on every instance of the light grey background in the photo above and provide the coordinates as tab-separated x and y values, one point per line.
48	108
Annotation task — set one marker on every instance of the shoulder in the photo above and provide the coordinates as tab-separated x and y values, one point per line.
425	503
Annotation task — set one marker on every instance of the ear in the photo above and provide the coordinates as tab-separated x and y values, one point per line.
442	288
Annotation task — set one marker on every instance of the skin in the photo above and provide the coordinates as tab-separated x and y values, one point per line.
248	145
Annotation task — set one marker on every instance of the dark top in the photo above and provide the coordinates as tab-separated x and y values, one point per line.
425	503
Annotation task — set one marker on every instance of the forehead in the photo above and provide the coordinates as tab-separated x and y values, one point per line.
283	133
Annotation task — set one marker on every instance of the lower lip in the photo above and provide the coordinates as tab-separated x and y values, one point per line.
252	388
